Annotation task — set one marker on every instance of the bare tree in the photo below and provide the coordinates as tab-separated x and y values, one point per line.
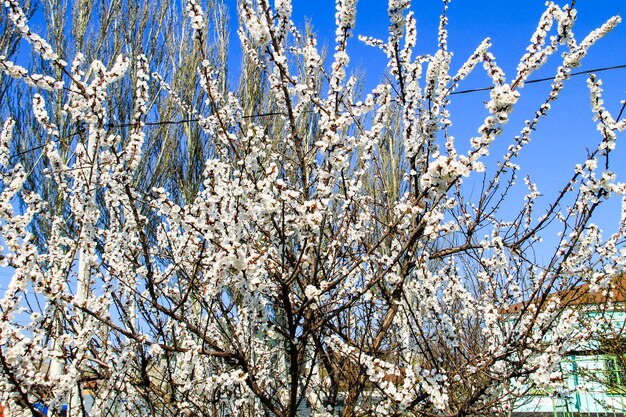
290	246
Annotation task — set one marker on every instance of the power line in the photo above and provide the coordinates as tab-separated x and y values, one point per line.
540	80
268	114
177	122
473	90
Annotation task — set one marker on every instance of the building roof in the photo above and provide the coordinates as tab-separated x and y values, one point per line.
581	295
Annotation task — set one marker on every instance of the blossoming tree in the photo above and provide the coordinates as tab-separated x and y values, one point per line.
331	259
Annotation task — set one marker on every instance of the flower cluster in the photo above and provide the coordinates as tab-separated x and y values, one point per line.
36	80
135	144
196	15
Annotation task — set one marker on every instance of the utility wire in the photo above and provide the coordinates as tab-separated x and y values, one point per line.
250	116
473	90
540	80
177	122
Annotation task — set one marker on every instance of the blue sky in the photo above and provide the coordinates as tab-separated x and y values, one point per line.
508	23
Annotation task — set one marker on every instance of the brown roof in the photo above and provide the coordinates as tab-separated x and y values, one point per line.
581	295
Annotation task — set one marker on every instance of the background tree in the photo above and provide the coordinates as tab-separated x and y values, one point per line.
292	243
107	30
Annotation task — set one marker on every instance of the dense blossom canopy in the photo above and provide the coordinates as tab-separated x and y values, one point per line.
330	256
